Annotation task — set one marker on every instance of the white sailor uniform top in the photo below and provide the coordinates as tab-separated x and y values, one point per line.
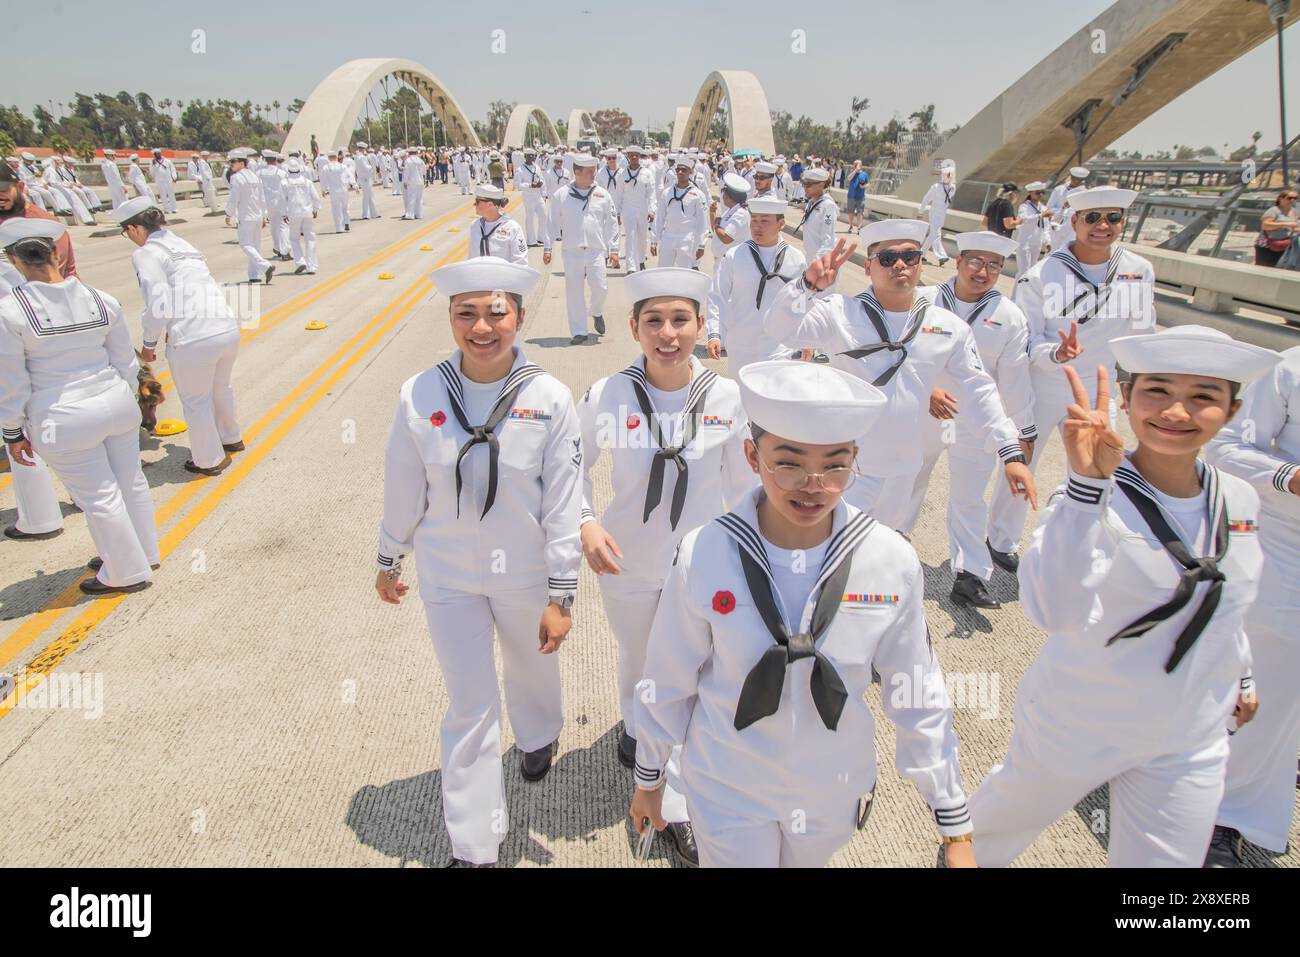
746	283
181	298
1146	646
503	239
1002	341
818	226
769	724
484	485
671	471
904	362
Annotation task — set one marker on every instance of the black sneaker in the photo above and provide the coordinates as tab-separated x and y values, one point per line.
12	531
681	836
234	446
578	340
970	589
270	271
1007	561
535	765
459	862
347	227
300	270
600	325
626	749
1225	848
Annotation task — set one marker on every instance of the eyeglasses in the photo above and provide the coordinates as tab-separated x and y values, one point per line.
910	257
979	265
1290	196
791	478
1092	217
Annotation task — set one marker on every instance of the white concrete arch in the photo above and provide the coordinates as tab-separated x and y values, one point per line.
749	123
332	109
679	126
579	120
517	126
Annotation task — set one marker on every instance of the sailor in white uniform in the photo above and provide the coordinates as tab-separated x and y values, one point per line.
902	344
1261	445
820	216
1001	337
681	226
482	481
204	169
764	177
584	218
183	303
1076	300
746	283
638	203
494	233
164	177
1034	219
135	176
1141	571
1062	229
772	619
246	209
113	178
332	183
556	178
36	187
413	186
302	206
730	227
664	410
272	176
528	180
937	200
67	392
365	174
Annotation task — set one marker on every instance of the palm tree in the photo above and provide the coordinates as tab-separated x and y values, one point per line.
276	104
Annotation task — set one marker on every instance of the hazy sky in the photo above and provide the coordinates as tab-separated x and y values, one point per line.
646	57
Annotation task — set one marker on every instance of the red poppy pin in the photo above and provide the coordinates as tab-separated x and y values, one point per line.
633	421
438	418
724	603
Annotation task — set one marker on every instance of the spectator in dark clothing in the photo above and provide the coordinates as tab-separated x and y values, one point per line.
1000	217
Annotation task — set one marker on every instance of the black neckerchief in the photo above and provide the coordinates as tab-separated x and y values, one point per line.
632	174
1082	314
485	234
808	214
947	294
694	408
528	167
573	191
876	313
763	274
760	696
484	433
1194	570
611	179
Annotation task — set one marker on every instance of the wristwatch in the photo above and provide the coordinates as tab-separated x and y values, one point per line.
967	838
563	601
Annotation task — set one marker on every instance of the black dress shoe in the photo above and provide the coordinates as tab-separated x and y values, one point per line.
537	764
93	586
1225	848
681	836
300	270
626	749
600	325
459	862
1007	561
12	531
347	227
214	471
270	271
234	446
970	589
577	340
96	563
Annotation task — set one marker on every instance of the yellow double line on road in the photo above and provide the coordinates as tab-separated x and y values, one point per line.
49	658
317	292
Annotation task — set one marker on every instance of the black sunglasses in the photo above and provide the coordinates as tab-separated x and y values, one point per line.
910	257
1092	217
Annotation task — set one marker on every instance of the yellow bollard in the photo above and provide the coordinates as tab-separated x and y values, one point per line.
170	427
314	325
385	275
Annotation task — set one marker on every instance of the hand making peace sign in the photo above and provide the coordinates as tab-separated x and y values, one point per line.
1093	448
821	272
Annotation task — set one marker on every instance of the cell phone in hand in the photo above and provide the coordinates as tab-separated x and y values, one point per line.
646	840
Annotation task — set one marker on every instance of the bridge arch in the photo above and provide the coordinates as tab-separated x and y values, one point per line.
517	126
332	109
749	123
579	121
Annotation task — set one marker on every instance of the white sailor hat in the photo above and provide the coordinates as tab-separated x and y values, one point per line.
204	153
779	160
363	145
293	166
683	160
808	401
609	152
236	154
654	150
488	191
557	158
268	153
632	149
668	281
735	183
1102	197
888	230
135	157
485	274
528	150
816	175
986	241
133	207
583	159
157	149
28	156
767	204
1079	172
1036	186
16	228
764	168
110	152
69	159
1194	350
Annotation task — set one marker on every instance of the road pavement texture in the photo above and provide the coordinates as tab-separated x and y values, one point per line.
260	706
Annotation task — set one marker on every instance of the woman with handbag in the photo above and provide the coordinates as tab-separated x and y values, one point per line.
1276	229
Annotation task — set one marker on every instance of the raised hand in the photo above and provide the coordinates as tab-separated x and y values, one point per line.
1092	447
821	272
1069	347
